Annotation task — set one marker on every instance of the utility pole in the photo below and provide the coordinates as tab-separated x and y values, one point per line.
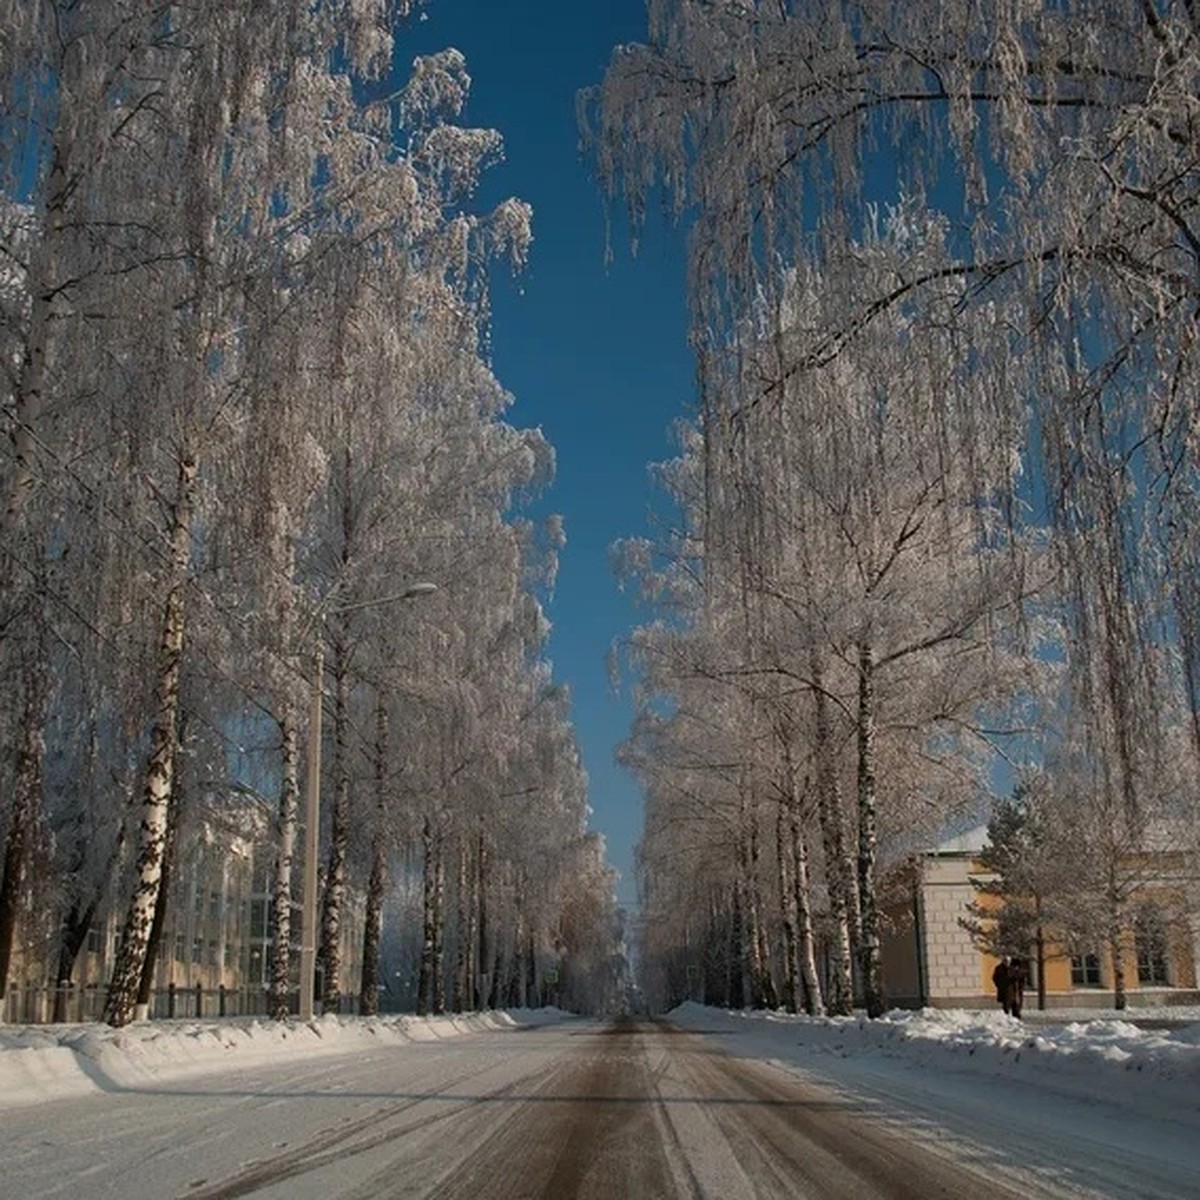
312	799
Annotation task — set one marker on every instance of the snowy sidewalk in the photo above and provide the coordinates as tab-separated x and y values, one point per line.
1087	1057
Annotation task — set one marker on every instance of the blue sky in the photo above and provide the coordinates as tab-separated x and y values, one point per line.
594	354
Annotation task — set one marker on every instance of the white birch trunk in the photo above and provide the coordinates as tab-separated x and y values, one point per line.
762	981
787	909
120	1004
27	406
814	1001
839	870
281	900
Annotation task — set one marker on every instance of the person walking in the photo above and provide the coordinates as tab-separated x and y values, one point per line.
1018	977
1000	982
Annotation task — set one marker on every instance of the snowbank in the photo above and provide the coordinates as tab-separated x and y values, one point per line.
1096	1057
49	1062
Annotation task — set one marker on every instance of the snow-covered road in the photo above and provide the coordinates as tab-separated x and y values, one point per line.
297	1126
578	1109
721	1105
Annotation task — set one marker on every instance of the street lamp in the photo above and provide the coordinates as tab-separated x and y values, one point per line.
312	804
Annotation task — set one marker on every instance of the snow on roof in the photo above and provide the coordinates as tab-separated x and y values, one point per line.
970	842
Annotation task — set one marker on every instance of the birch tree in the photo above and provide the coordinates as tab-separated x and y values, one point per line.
60	83
246	389
1055	141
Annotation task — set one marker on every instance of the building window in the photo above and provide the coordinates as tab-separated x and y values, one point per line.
212	954
260	879
258	919
228	955
1151	940
1085	970
198	950
95	940
214	906
180	948
256	974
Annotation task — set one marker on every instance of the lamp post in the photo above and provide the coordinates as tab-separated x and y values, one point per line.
312	805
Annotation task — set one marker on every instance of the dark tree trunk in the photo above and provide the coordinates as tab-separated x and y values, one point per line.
339	832
79	918
485	972
870	951
26	815
373	931
425	977
74	933
737	956
464	907
377	884
439	925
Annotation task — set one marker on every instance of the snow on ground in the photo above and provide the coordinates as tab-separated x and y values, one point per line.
1093	1056
51	1062
1069	1105
1086	1053
1086	1103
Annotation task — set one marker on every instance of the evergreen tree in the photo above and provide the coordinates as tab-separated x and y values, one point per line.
1023	868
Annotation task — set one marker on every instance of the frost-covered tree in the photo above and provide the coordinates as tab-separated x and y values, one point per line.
855	596
68	95
246	391
1057	286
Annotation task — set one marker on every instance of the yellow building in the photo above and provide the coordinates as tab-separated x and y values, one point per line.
930	959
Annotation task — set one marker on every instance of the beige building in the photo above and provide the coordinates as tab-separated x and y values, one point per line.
929	958
215	955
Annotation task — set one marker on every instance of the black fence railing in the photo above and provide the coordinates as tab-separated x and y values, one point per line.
34	1004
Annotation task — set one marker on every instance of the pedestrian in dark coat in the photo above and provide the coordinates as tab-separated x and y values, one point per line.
1000	982
1018	977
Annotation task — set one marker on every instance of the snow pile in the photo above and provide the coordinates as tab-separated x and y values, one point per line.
50	1062
1093	1057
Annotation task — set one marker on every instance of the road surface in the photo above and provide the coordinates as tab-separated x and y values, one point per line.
581	1109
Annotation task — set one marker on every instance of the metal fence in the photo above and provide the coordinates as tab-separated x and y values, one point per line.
33	1004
